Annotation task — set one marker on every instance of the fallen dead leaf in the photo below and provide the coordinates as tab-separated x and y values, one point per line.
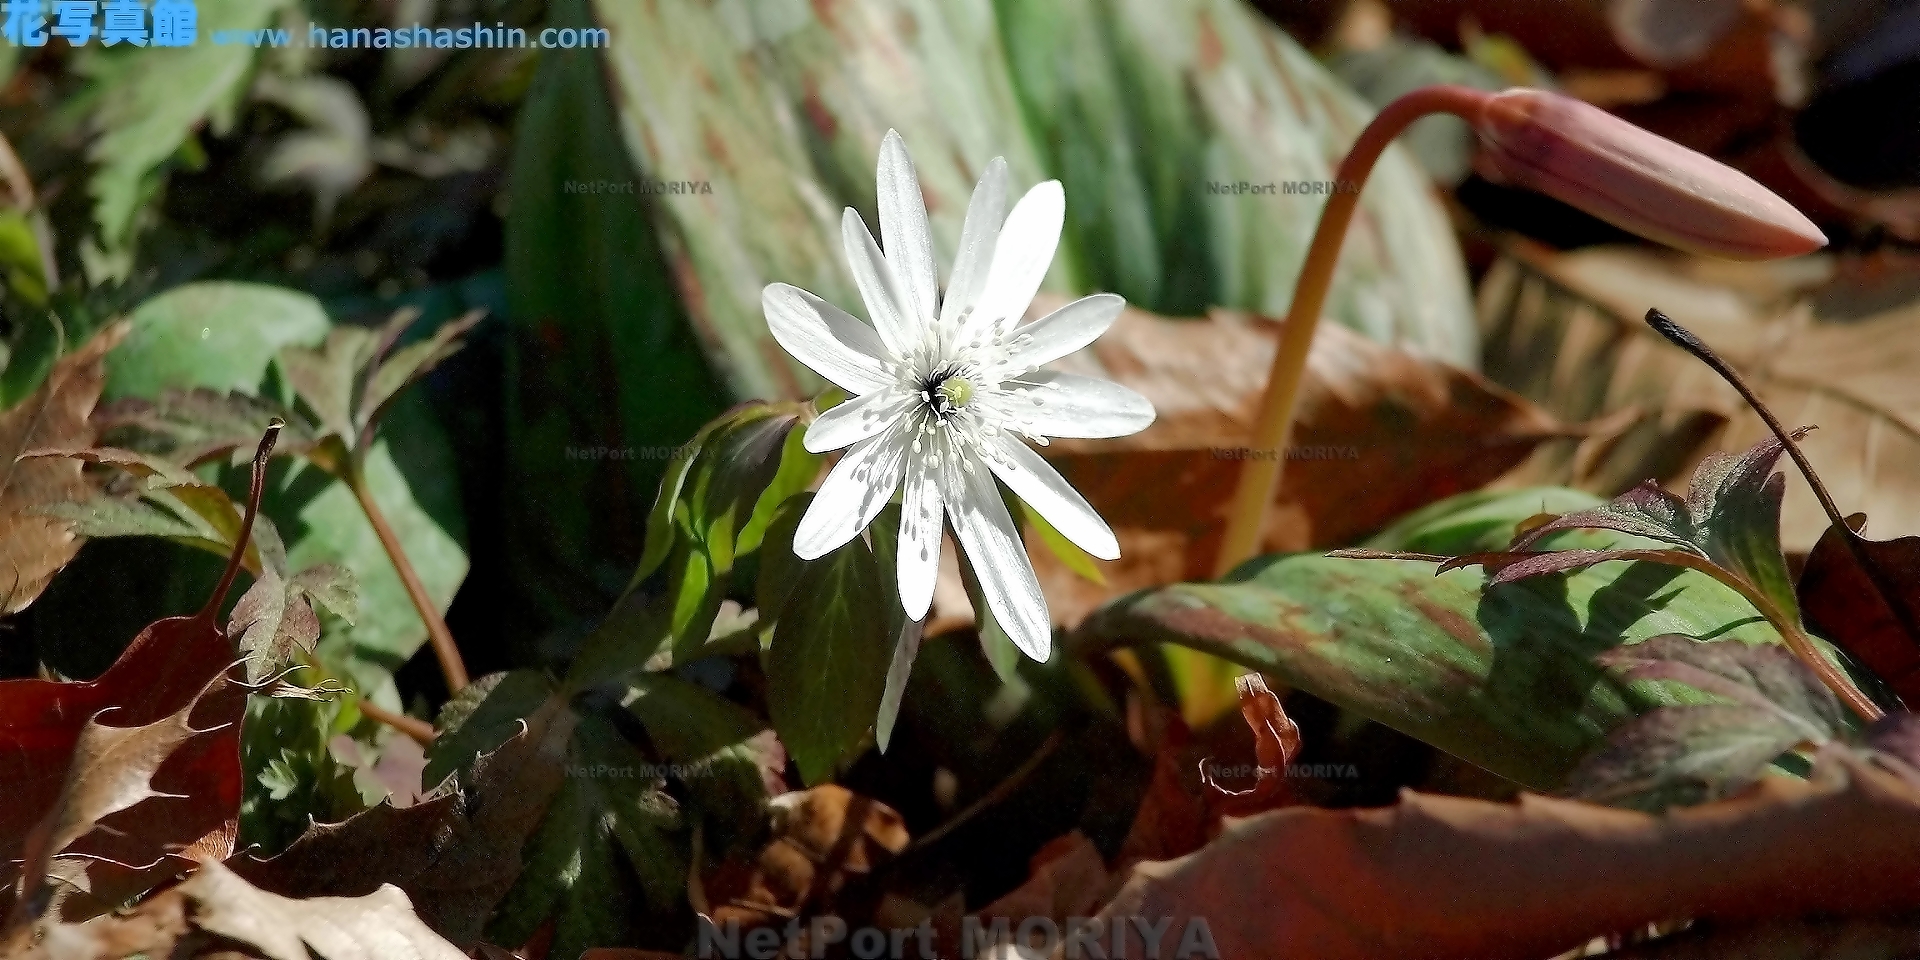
822	839
1439	877
1566	331
33	546
215	910
1871	609
454	854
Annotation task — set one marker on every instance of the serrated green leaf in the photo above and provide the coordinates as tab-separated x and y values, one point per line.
609	808
1731	516
406	366
1683	755
482	717
716	745
149	102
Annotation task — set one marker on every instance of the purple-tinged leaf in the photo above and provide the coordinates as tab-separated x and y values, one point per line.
1731	516
189	427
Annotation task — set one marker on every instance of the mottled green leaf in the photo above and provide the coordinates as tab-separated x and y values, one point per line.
1503	676
1191	137
605	374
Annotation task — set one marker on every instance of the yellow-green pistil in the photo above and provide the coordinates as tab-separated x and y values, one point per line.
947	393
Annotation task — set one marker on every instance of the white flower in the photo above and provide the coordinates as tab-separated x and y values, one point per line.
945	388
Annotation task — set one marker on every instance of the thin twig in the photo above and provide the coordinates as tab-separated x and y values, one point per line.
1890	593
416	729
1000	792
451	666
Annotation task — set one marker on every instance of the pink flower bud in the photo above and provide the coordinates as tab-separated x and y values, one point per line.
1637	181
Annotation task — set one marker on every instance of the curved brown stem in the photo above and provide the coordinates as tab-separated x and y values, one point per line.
416	729
452	667
1260	475
260	456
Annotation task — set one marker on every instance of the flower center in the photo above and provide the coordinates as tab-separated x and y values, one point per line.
947	392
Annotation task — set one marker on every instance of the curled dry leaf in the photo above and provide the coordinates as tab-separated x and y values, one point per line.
1381	431
1864	595
1546	875
1276	740
32	546
822	839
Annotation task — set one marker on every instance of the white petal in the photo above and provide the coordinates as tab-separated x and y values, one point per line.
919	560
1045	490
1065	330
1075	406
999	560
857	419
831	341
1020	257
877	284
903	228
986	211
852	495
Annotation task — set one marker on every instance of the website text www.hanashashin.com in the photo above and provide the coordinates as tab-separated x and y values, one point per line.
176	23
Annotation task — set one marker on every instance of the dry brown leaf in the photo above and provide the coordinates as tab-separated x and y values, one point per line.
454	854
32	546
1785	940
1440	877
112	770
1565	330
1381	432
822	839
378	926
215	910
